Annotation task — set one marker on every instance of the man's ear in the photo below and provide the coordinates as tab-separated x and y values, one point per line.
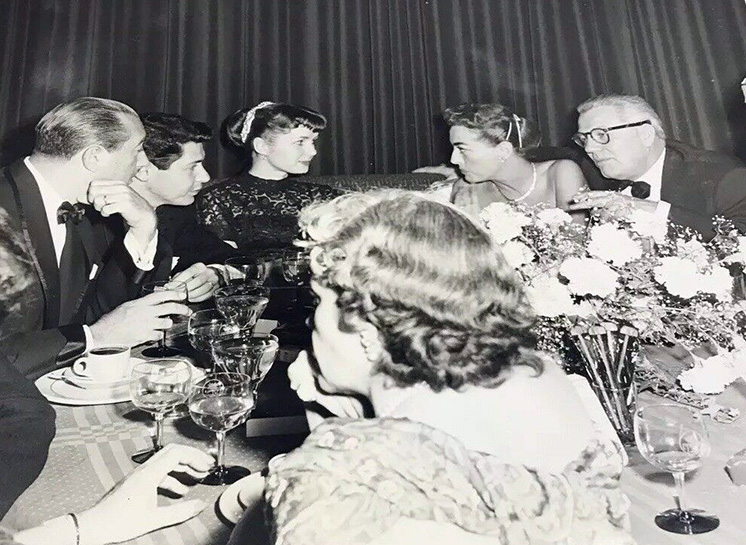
93	158
260	145
647	134
144	172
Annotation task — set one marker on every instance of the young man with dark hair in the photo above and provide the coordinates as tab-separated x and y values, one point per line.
170	179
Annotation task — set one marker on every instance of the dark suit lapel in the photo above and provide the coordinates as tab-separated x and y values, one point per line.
93	259
33	219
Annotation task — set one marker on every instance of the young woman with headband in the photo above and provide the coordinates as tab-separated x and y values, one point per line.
259	208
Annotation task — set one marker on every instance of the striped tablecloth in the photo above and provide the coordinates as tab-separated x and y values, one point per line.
92	449
91	452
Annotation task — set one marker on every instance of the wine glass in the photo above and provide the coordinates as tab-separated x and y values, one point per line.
296	266
207	326
162	350
158	386
242	305
252	356
674	438
252	269
220	402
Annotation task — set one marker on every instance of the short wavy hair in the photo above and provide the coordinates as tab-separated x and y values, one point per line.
449	309
495	123
166	134
72	126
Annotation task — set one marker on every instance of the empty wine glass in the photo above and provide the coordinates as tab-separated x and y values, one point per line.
220	402
207	326
250	269
674	438
252	356
242	304
162	350
158	386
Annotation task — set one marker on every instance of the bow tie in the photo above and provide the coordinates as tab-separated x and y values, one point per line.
70	212
640	190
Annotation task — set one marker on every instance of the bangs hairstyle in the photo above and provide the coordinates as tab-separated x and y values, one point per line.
271	120
495	124
73	126
166	134
449	309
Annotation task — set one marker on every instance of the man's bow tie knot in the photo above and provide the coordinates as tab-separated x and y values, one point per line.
70	212
640	190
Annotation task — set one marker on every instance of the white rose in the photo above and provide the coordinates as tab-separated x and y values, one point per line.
740	254
503	221
613	245
589	276
647	224
709	376
553	216
718	282
549	297
679	276
517	253
694	250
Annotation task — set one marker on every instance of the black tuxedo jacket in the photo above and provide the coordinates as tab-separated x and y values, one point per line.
699	184
101	277
26	430
188	240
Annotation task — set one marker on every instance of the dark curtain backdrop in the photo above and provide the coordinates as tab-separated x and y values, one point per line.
381	70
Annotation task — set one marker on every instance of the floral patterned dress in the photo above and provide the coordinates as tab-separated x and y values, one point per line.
353	479
256	213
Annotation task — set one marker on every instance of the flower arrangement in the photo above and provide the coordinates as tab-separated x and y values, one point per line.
658	278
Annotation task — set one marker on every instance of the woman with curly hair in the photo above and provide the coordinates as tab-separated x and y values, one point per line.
493	149
475	432
259	208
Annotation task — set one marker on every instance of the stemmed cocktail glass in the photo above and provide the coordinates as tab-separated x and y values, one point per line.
220	402
159	386
163	350
674	438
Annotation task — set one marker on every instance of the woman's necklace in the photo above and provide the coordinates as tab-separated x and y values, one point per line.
530	189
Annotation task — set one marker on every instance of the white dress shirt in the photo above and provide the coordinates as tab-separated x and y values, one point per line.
654	177
52	200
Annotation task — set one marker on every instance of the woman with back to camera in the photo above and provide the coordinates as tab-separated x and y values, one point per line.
492	149
475	432
259	208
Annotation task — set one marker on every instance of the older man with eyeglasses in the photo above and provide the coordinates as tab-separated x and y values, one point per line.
624	137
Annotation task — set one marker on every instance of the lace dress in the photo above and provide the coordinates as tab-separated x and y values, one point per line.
256	213
352	479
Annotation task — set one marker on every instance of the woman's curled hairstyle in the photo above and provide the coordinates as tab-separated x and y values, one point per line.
495	123
449	309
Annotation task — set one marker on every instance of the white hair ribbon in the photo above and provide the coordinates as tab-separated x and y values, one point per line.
518	130
249	119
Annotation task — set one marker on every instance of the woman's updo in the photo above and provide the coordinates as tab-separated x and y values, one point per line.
267	119
449	310
496	124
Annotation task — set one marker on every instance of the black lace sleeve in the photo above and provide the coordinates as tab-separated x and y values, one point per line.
256	213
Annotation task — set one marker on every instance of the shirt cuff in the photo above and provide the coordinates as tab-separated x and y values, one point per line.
88	338
662	209
143	259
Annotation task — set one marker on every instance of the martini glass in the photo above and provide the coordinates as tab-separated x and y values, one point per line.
242	305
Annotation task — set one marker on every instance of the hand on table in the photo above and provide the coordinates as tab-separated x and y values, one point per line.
303	381
201	281
117	197
140	320
131	508
611	203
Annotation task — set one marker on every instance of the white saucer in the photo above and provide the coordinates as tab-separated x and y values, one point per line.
243	495
56	388
85	381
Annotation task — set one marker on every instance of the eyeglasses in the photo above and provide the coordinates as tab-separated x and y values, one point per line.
601	136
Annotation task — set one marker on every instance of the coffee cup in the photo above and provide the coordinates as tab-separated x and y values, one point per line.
104	364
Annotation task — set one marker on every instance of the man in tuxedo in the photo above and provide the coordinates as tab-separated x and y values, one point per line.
625	138
169	180
90	237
